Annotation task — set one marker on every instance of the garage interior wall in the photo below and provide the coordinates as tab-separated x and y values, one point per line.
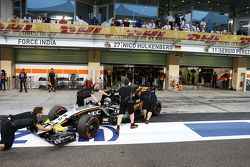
248	63
206	61
132	57
50	55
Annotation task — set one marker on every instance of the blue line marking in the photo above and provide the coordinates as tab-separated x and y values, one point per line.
220	129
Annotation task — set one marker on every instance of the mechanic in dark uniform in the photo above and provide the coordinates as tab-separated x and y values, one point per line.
12	123
52	80
89	92
126	104
149	101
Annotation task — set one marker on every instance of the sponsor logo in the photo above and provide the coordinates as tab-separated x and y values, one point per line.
198	37
245	40
80	30
15	27
107	44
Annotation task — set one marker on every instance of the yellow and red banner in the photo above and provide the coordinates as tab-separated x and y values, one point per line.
114	33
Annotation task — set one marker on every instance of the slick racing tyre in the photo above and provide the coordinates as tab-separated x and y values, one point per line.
88	126
157	110
56	111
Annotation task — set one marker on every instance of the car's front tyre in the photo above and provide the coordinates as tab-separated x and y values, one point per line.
88	126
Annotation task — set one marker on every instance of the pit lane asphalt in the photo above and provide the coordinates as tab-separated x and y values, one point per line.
177	106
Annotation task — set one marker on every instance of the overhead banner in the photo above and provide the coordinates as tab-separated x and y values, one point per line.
85	43
128	45
116	33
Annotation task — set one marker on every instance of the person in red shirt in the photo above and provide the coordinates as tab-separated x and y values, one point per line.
63	20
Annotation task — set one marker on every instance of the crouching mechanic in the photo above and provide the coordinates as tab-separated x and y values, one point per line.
93	93
126	104
149	102
11	124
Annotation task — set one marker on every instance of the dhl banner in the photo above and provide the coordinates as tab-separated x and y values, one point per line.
114	33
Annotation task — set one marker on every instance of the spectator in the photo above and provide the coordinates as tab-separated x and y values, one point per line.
145	23
185	26
23	77
126	23
39	19
27	18
115	23
63	20
80	21
138	24
151	24
210	26
170	20
14	19
45	18
203	25
166	27
3	78
176	27
94	21
241	31
195	28
158	23
177	22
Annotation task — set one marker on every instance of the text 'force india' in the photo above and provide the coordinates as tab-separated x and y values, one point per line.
87	119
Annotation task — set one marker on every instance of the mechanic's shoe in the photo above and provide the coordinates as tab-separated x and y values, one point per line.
117	131
146	121
133	126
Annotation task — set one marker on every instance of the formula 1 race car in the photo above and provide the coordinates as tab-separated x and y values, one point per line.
86	120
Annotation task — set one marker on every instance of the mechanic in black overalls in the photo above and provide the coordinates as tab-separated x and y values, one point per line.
149	101
52	80
89	92
126	104
12	123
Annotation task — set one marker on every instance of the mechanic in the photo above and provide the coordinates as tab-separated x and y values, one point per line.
126	104
51	79
88	94
12	123
149	101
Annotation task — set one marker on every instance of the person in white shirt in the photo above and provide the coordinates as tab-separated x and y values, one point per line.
151	24
166	27
185	26
170	20
203	25
144	25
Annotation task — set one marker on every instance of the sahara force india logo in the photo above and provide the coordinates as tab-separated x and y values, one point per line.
105	134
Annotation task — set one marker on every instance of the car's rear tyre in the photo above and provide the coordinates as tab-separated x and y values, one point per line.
56	111
88	126
157	110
